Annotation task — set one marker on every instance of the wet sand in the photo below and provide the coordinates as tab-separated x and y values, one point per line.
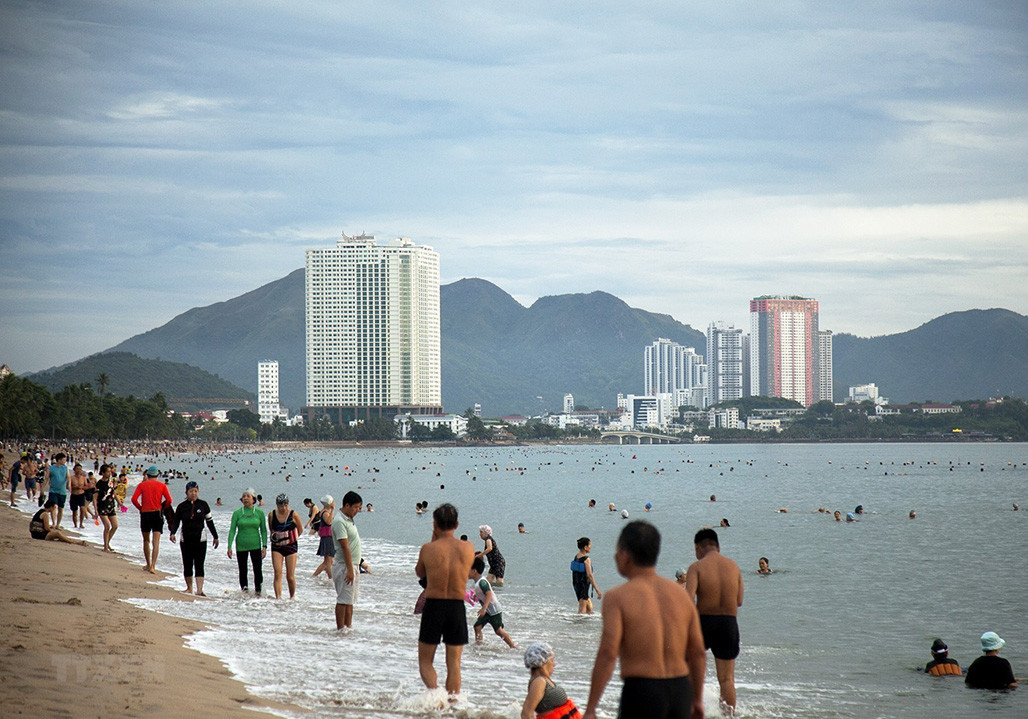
70	648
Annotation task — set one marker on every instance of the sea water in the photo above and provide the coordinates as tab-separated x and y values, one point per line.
840	629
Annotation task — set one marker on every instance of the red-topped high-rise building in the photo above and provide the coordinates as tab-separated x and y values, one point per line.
786	349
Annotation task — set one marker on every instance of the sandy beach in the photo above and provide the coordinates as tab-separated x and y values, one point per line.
70	648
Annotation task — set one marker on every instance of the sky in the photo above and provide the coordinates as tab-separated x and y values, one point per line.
683	156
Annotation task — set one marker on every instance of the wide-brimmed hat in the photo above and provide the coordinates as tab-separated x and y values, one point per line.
991	642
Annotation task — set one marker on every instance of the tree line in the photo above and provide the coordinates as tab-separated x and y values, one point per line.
30	410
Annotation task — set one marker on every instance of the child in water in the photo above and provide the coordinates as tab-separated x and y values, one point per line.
490	612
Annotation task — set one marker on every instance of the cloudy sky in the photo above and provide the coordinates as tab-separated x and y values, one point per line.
684	156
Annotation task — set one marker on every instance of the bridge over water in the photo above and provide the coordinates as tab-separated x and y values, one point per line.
634	437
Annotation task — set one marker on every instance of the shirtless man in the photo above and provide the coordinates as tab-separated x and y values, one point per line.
716	582
651	625
77	482
444	563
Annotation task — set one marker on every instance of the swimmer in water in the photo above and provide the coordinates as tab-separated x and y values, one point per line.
724	522
763	566
521	528
837	515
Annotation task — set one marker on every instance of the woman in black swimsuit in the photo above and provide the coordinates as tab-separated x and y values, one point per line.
286	528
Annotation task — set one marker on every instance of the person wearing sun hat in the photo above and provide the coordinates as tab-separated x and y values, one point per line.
990	671
941	665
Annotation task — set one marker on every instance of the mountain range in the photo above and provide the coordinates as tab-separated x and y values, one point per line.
516	359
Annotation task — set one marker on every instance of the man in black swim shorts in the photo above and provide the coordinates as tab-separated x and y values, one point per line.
443	619
444	563
720	635
663	679
716	583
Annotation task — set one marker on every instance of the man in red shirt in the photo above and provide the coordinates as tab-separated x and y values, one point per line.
150	498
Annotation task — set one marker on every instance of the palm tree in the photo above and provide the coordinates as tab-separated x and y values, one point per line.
102	381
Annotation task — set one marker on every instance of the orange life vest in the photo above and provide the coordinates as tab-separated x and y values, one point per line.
943	669
567	710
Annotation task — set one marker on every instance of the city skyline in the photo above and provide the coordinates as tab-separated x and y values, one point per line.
157	159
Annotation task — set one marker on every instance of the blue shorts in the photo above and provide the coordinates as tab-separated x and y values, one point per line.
30	483
59	498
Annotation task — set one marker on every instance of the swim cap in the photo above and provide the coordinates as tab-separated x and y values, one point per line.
251	491
281	499
485	528
679	573
649	505
990	642
153	471
537	654
326	500
624	513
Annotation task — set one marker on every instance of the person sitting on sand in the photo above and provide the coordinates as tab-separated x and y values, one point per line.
545	700
941	665
41	526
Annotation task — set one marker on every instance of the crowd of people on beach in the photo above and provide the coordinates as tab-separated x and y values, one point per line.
659	679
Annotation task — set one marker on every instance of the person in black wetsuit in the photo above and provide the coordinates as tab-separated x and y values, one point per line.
193	520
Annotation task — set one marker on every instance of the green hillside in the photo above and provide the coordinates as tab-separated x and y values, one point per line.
129	375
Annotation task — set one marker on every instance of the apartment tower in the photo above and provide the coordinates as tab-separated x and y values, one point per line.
784	348
727	360
670	368
267	391
372	330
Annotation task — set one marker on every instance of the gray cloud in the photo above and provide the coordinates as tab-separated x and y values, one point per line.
683	157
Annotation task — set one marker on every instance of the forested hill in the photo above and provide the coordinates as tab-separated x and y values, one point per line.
128	374
494	350
961	355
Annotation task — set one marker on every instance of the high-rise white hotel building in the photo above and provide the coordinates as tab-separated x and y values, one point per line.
789	355
372	330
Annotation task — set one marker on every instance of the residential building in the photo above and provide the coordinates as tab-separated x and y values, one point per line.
727	364
372	330
760	424
655	410
669	367
866	393
268	408
569	403
785	349
726	418
456	423
824	366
